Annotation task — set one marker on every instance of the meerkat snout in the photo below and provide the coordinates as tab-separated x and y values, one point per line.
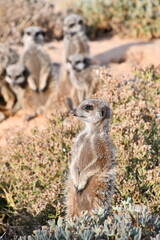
73	112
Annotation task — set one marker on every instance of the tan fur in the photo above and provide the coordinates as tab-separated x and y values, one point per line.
75	39
29	101
7	94
92	170
36	59
75	42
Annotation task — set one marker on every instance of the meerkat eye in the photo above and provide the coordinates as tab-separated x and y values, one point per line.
8	75
43	33
40	33
77	62
80	22
18	76
28	33
88	107
71	25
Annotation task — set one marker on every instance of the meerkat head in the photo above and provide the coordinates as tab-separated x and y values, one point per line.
78	62
32	36
7	56
16	74
73	24
92	111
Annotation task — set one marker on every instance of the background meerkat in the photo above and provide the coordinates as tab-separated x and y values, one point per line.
29	101
75	39
16	77
75	42
36	59
7	100
7	56
7	97
92	169
81	76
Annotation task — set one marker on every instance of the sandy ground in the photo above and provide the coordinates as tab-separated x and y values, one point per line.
121	56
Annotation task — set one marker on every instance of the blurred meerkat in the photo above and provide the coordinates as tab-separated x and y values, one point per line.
7	97
27	99
7	56
75	42
36	59
75	39
7	100
16	77
81	75
92	169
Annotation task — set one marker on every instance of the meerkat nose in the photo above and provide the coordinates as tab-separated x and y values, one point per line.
73	112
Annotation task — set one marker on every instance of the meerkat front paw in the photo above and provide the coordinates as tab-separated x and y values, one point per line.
82	184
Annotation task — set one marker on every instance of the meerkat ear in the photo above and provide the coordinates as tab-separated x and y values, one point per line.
106	112
87	61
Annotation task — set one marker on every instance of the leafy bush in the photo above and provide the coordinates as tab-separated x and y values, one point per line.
135	131
132	18
124	222
33	172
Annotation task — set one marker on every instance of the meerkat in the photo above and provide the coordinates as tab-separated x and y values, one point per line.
75	42
29	101
7	97
75	39
81	75
7	56
16	77
90	183
36	59
7	100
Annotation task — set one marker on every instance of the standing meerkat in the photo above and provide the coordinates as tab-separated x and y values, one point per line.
29	101
7	100
81	75
75	42
7	56
36	59
75	39
7	97
92	168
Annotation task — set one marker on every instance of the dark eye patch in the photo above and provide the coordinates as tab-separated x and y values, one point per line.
80	22
40	33
28	33
18	76
88	107
77	62
71	25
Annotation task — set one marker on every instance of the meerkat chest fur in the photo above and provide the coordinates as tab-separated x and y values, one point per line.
90	147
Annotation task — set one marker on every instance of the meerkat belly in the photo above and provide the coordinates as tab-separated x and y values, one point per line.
34	65
86	154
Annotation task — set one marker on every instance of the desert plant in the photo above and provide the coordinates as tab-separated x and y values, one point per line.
122	222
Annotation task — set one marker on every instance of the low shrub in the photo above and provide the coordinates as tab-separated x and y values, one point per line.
125	222
33	169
